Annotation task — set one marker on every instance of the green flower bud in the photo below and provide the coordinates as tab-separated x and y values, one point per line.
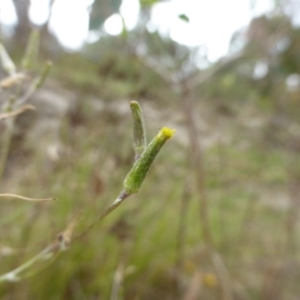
137	174
139	134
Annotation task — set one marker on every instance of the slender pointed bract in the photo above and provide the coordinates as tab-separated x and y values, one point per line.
139	133
40	81
31	50
6	61
137	174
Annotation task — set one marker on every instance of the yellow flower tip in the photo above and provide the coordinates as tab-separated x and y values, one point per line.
167	132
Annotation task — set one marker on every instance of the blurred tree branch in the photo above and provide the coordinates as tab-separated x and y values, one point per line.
23	27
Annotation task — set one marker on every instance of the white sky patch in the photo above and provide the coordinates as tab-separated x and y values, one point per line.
70	22
7	12
212	22
130	11
114	25
38	11
261	69
261	6
293	82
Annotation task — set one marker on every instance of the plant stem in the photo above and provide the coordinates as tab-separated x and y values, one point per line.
123	195
181	235
13	275
6	145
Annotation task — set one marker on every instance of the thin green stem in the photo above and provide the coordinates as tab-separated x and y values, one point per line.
14	274
123	195
6	145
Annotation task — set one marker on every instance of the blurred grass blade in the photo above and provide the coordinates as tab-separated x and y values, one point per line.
6	61
124	33
138	172
26	198
139	132
17	111
31	51
41	80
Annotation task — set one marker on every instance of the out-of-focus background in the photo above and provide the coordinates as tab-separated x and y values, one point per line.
217	216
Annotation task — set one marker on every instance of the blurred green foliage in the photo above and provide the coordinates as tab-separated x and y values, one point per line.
248	126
